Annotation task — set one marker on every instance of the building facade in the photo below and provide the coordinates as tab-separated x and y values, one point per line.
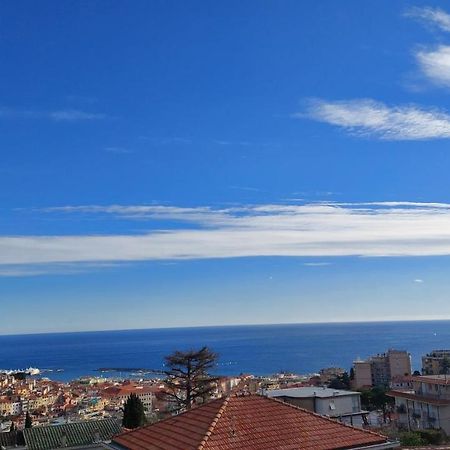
436	362
426	405
344	406
380	369
116	396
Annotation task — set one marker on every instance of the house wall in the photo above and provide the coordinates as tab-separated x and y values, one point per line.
333	406
339	405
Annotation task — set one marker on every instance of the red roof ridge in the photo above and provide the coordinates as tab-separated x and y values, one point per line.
323	417
214	423
128	430
209	429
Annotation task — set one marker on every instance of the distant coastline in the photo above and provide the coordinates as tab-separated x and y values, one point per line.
256	349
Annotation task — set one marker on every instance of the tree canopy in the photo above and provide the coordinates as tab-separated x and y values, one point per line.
28	421
340	382
133	412
188	379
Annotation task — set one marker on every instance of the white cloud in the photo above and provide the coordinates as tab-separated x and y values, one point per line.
33	270
74	115
431	16
309	230
418	280
367	117
317	264
118	150
169	140
63	115
435	64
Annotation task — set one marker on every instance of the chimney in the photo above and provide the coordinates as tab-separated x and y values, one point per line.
64	439
96	437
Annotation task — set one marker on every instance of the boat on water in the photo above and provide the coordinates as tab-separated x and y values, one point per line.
29	371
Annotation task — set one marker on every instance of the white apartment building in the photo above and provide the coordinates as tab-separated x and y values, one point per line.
338	404
426	405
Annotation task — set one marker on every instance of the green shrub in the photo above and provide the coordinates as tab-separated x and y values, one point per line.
433	437
411	438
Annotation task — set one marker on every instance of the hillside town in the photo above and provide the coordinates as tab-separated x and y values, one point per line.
380	394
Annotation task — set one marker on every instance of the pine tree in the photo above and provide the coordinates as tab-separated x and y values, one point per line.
133	412
188	379
28	421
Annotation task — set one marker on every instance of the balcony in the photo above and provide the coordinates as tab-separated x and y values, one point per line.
419	397
433	394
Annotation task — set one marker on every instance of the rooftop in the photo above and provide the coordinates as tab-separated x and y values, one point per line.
418	397
309	391
247	423
433	379
70	434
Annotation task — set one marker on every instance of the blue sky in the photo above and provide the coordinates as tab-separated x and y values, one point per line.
204	163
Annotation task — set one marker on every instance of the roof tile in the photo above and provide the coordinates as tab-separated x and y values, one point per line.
247	423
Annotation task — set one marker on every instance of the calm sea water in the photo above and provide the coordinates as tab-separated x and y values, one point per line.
261	349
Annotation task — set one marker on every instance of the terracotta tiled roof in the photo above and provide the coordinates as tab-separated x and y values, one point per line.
247	423
113	391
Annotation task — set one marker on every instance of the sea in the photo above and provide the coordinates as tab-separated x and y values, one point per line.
251	349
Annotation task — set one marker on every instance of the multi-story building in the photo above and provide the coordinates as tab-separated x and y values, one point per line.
329	373
37	402
436	362
116	396
401	383
10	406
379	370
337	404
426	405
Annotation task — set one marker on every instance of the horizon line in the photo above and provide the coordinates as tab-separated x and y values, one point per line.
347	322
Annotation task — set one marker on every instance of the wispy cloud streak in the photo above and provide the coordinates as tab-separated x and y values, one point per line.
377	229
431	16
365	117
62	115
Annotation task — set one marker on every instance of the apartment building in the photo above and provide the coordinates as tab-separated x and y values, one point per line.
379	370
426	405
436	362
334	403
10	406
116	396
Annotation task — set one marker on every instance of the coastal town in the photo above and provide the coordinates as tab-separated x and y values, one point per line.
224	225
380	394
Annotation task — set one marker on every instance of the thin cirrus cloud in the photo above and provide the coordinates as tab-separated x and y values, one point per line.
435	17
369	118
380	229
62	115
34	270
